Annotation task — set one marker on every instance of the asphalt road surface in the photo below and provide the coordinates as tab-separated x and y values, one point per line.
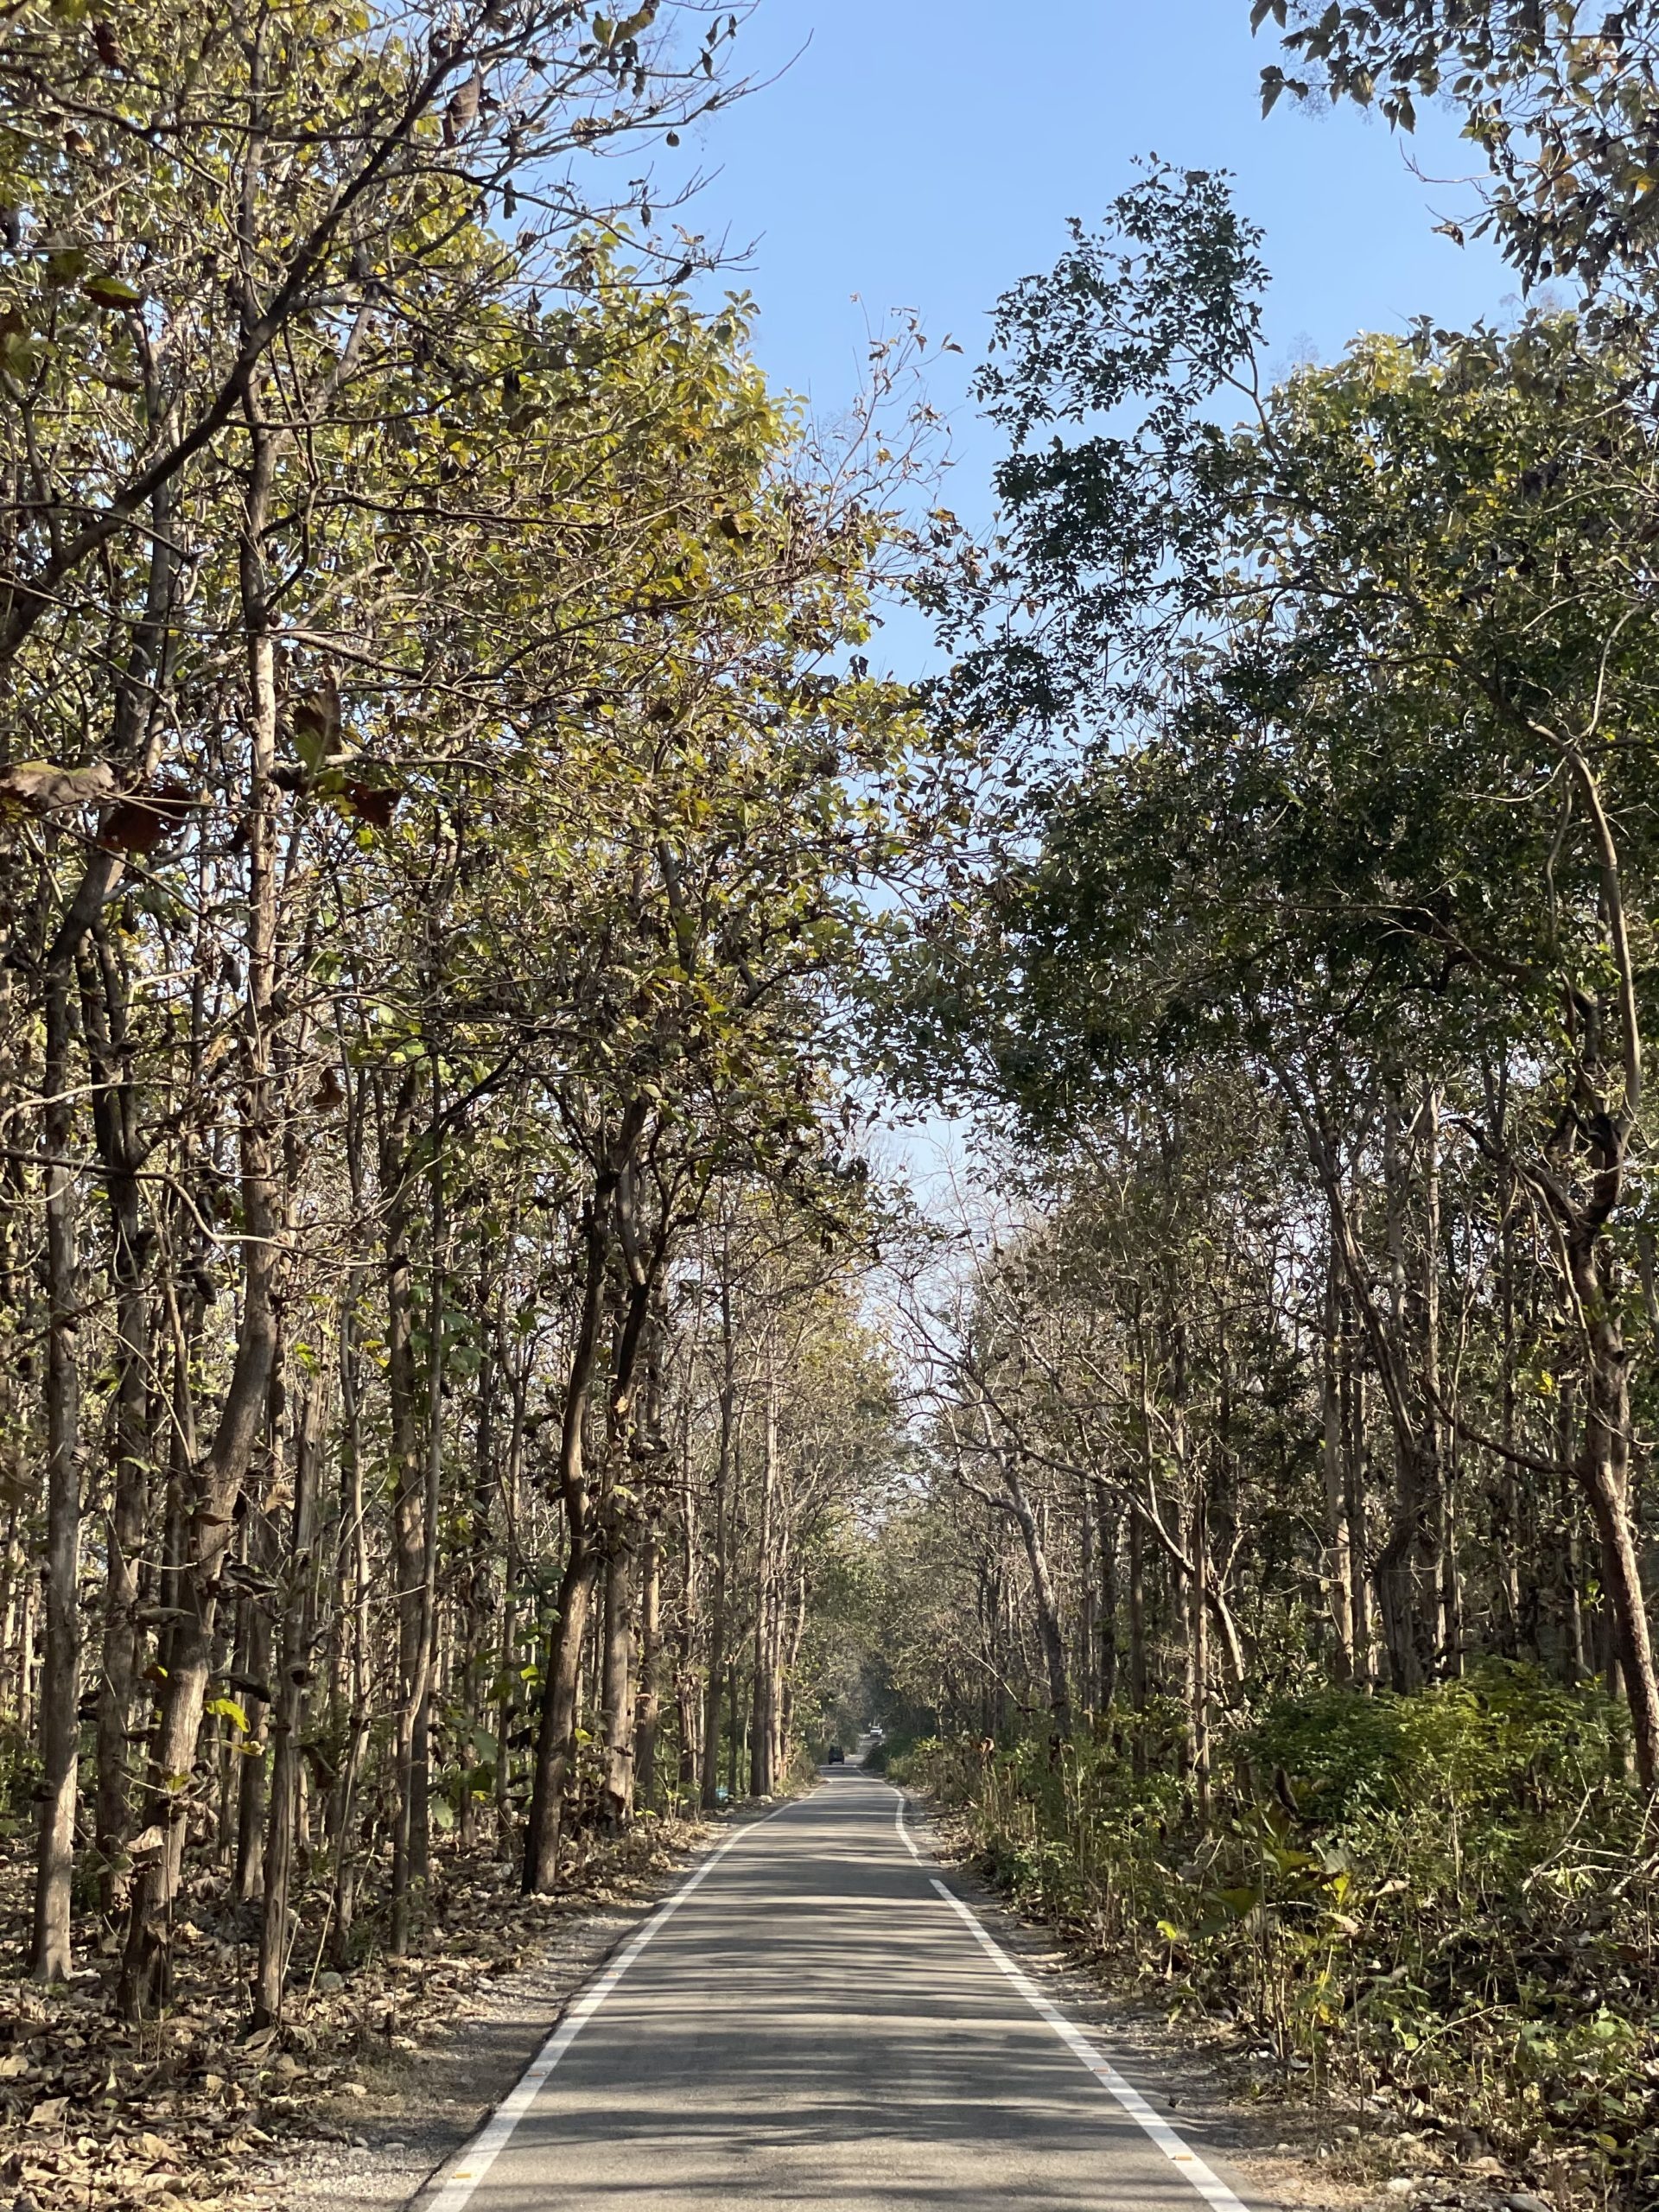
813	2021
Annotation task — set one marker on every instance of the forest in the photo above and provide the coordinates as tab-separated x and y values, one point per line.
481	1394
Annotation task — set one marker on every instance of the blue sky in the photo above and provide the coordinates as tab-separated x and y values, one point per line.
923	153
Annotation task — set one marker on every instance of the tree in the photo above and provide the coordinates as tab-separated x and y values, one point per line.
1374	673
1562	109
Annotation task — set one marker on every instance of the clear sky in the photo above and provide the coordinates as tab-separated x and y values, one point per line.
925	153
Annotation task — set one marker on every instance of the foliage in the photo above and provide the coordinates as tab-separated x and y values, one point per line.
1430	1924
1559	101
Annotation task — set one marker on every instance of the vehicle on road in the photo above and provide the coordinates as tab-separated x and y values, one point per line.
837	1756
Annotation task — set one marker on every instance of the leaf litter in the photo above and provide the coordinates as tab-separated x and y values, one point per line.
191	2112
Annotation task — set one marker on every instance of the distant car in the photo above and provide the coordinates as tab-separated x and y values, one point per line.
837	1757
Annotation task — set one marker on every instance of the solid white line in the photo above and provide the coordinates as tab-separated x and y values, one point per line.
1210	2186
472	2163
899	1823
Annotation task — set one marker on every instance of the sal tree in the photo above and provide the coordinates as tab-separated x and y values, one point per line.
1366	695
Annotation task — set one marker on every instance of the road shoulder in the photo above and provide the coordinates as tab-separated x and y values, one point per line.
1266	2149
409	2112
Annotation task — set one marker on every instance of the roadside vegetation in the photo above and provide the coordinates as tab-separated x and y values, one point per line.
1276	1608
470	1403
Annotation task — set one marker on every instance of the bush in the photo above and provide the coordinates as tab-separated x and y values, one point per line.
1449	1896
1503	1736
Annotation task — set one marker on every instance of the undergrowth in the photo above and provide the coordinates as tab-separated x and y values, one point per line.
1447	1901
184	2111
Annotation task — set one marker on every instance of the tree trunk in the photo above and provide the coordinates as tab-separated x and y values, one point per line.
687	1685
115	1133
616	1691
292	1676
1108	1524
717	1589
1049	1634
763	1686
1138	1683
1088	1607
1604	1473
647	1712
1340	1581
1199	1637
61	1676
254	1644
411	1811
351	1575
173	1756
557	1731
1353	1476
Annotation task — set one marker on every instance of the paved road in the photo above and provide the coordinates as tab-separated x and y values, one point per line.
817	2024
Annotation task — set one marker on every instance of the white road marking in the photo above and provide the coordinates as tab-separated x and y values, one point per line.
472	2163
899	1823
1209	2185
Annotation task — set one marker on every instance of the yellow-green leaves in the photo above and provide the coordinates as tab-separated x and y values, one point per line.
107	291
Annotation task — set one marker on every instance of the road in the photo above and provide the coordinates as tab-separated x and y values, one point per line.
814	2021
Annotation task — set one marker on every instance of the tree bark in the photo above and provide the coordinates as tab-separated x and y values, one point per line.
1339	1579
718	1579
557	1731
647	1712
116	1134
50	1959
220	1477
763	1688
1604	1473
292	1676
411	1811
616	1691
1049	1634
1108	1527
1198	1637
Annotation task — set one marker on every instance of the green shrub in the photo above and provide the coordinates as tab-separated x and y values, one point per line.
1452	1896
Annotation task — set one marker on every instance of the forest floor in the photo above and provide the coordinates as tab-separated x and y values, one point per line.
379	2076
372	2081
1302	2148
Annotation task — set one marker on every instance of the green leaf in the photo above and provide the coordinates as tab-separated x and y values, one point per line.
316	727
19	348
107	291
1241	1903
